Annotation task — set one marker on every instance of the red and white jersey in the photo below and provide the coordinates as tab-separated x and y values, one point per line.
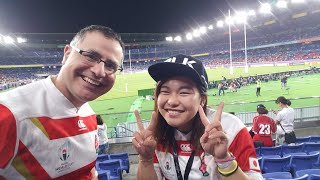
264	125
44	136
203	166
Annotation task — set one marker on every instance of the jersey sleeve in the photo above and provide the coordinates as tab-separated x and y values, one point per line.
8	136
255	127
243	150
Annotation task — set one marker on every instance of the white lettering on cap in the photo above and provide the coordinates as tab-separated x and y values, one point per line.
184	62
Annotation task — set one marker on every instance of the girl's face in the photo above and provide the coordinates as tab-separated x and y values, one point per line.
178	102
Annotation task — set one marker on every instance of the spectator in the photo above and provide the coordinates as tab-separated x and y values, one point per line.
258	88
47	127
102	135
220	88
180	140
285	117
263	126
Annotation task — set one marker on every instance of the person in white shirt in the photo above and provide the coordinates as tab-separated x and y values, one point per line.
285	118
102	135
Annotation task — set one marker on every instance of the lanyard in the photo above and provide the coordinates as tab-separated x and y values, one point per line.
177	166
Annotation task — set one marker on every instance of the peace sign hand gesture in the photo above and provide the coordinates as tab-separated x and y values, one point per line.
143	140
214	140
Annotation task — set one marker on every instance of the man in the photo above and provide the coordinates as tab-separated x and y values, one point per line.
47	128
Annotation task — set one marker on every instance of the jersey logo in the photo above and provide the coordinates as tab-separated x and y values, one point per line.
184	62
81	125
185	147
64	151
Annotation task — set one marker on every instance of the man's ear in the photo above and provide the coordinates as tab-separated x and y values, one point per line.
66	53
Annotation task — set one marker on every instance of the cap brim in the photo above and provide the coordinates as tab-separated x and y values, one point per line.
166	70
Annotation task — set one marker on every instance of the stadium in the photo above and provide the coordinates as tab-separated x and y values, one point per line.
266	43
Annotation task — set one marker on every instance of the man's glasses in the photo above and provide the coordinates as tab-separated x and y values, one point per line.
109	66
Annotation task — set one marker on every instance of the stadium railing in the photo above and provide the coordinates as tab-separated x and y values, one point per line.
302	116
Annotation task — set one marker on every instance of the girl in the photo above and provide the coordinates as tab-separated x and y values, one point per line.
180	141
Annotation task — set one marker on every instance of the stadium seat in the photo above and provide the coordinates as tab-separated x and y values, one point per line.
275	164
103	157
276	150
314	177
113	166
307	171
300	162
104	175
311	147
314	139
258	151
282	175
302	139
291	149
305	177
124	157
260	161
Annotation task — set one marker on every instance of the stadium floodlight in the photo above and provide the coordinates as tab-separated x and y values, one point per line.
229	20
189	36
169	38
177	38
196	33
265	8
220	23
297	1
241	17
8	40
210	27
251	12
21	40
282	4
203	29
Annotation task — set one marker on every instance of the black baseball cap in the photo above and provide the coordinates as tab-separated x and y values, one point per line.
260	106
180	65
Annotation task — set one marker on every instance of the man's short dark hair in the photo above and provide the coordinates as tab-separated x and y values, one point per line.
106	31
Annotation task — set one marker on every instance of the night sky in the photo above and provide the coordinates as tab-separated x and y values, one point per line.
124	16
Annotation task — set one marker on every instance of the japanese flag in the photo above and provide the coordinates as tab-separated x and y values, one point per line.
254	164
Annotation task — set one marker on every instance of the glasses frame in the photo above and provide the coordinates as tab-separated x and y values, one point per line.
120	68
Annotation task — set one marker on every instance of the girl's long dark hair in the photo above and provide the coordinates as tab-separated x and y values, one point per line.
164	134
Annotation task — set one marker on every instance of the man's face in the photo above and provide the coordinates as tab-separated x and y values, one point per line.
82	81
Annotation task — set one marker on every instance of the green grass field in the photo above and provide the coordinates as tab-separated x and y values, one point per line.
116	104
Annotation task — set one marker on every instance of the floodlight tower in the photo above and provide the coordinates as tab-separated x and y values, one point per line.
229	22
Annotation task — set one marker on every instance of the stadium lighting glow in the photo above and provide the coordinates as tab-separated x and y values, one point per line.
177	38
297	1
8	40
196	33
241	17
282	4
189	36
229	20
220	23
265	8
21	40
251	12
203	30
169	38
210	27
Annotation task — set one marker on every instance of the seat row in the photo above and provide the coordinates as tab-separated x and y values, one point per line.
282	150
308	139
111	166
289	163
307	174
